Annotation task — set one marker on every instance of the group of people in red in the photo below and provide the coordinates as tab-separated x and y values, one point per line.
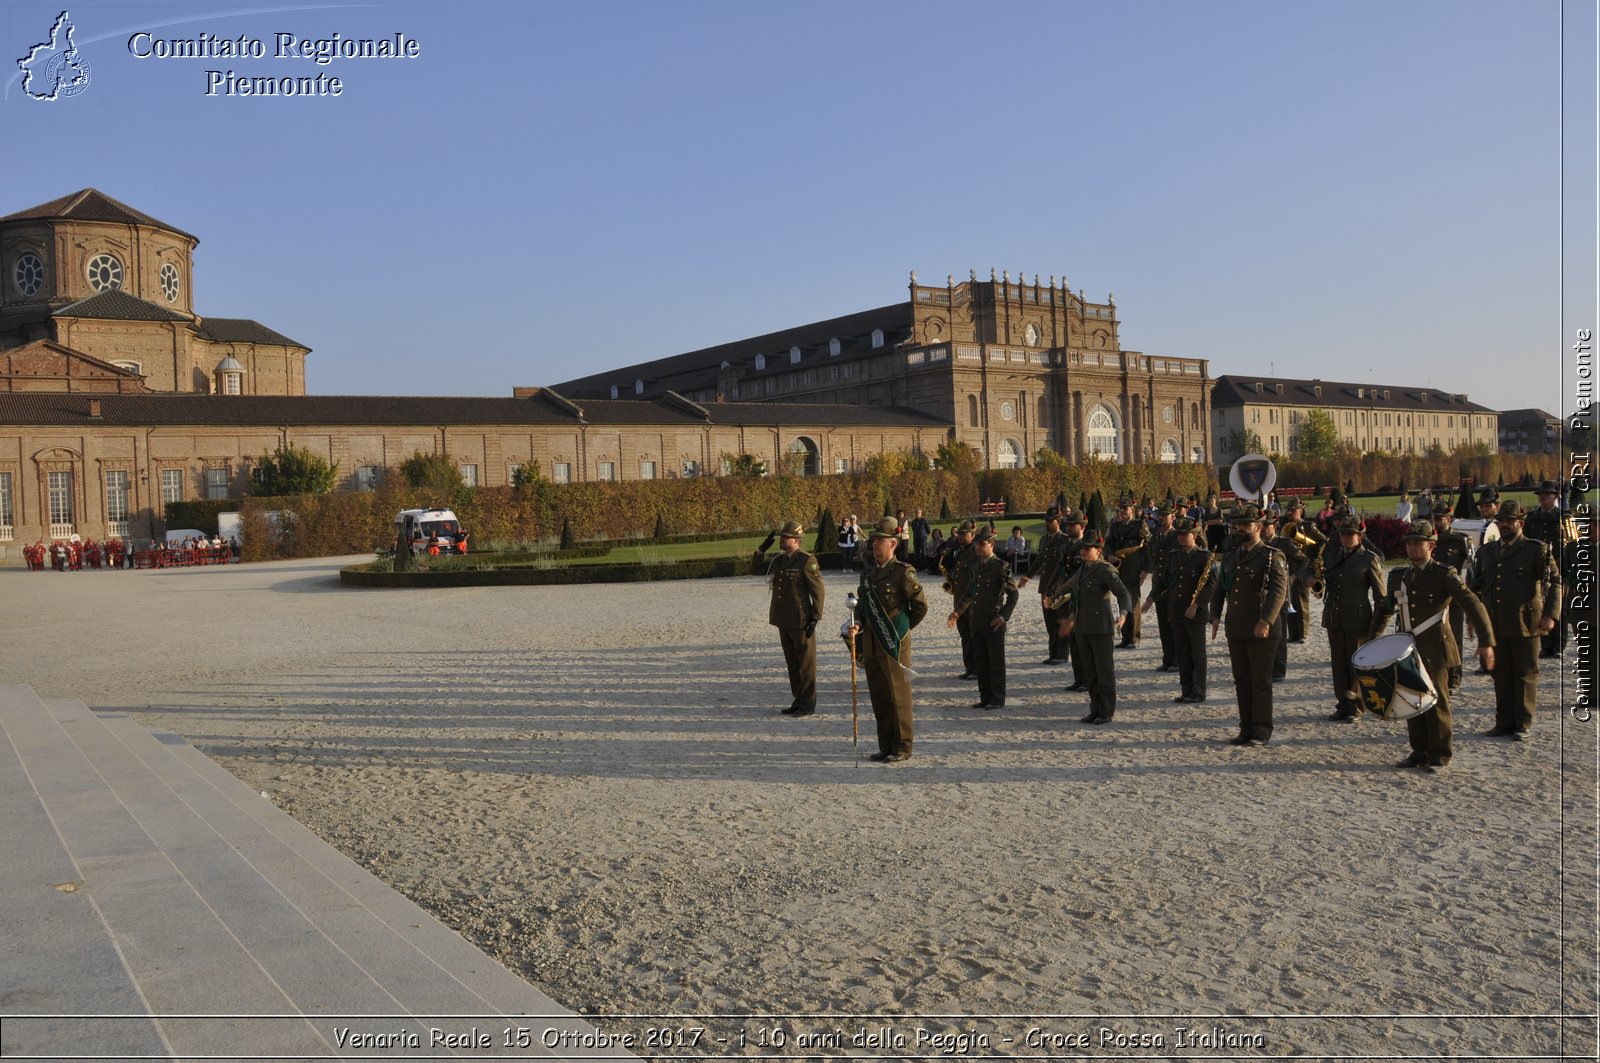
72	554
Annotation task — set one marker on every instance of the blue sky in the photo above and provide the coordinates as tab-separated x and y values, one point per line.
1353	191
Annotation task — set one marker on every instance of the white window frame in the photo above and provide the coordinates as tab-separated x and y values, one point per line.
172	485
561	472
606	470
469	473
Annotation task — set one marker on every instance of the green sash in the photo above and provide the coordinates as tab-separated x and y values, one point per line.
888	631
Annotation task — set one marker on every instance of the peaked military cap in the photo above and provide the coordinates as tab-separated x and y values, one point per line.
792	530
1489	493
1548	487
1422	531
888	528
1069	517
1092	538
984	535
1512	510
1247	512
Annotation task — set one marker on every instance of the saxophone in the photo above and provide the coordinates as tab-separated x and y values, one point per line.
1205	577
1126	552
1053	602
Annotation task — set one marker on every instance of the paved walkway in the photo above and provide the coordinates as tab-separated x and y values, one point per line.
154	907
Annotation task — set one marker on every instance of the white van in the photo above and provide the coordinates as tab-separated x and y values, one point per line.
417	526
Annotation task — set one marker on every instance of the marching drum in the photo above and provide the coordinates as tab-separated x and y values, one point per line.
1394	684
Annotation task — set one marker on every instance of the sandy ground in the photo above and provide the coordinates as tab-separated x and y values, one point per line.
594	784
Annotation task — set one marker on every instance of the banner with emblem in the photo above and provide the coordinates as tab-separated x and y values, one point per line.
888	631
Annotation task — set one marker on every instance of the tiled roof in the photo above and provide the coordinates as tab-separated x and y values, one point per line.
91	204
1233	390
241	330
276	410
696	370
119	306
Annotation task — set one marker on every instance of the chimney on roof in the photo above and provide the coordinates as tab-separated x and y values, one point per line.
94	407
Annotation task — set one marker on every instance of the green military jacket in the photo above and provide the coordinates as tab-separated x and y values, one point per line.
1547	526
1452	548
797	590
1094	585
1046	565
1353	582
959	570
899	592
1120	536
993	592
1156	549
1181	577
1255	586
1429	590
1519	583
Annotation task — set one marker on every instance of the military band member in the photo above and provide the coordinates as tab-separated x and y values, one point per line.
1295	525
1299	569
1162	539
957	568
797	595
1090	621
890	603
989	602
1520	584
1255	586
1421	594
1353	586
1547	524
1124	545
1452	550
1072	526
1047	566
1188	582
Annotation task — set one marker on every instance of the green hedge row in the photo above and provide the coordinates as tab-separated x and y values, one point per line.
527	576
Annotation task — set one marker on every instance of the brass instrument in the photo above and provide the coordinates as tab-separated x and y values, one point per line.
1053	602
1305	542
1126	552
1316	584
1205	577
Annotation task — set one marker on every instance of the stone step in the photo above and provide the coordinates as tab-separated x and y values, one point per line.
156	907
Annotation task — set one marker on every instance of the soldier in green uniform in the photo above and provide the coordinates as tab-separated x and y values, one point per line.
1162	539
989	601
1047	566
1088	620
890	603
797	594
1072	526
1353	586
1421	594
1125	541
1299	568
1547	524
1187	584
1518	581
1294	527
957	568
1452	550
1255	586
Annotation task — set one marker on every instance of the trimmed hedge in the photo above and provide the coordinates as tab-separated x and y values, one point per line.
529	576
711	506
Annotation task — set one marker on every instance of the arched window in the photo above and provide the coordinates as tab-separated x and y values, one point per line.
761	362
1194	416
1197	456
613	391
877	337
794	355
803	457
1102	425
833	348
1170	452
638	387
972	411
1007	454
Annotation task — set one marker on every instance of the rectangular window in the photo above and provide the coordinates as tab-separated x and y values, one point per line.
116	497
561	472
647	470
512	470
8	513
366	477
60	484
691	468
216	483
171	485
469	475
608	470
841	464
230	383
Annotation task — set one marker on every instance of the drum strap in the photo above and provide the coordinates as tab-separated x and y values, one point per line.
1403	596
